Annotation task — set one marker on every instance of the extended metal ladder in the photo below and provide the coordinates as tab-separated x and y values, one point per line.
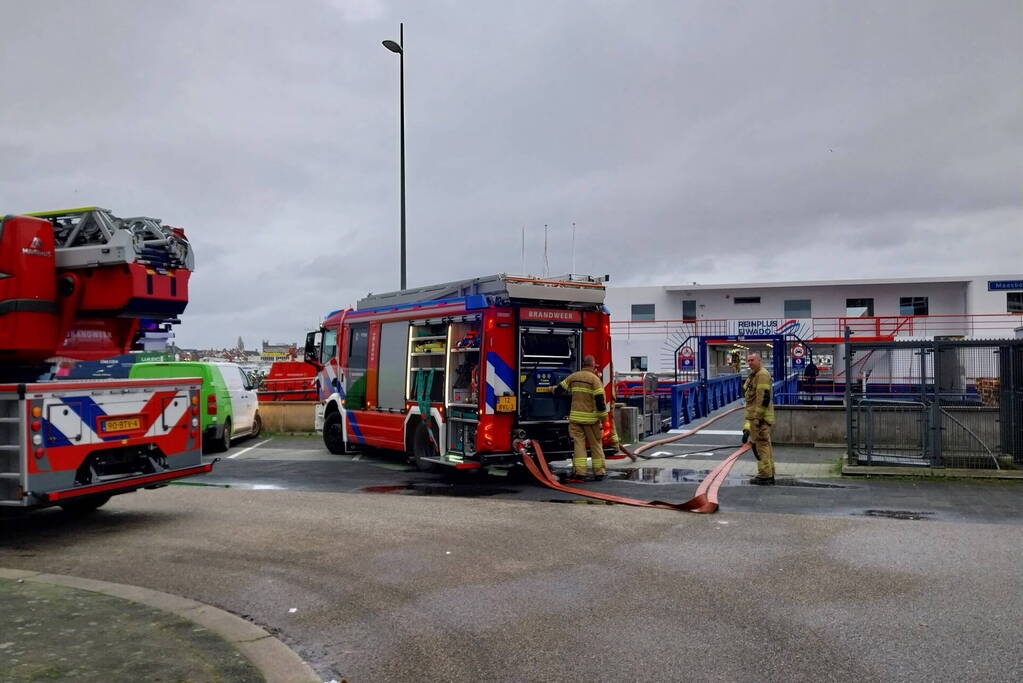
91	236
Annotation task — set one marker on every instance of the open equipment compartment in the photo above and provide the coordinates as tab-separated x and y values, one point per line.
428	344
547	355
464	385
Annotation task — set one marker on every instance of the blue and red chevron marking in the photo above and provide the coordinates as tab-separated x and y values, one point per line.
353	427
90	412
498	371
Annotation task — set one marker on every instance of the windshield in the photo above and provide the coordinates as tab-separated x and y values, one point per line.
329	345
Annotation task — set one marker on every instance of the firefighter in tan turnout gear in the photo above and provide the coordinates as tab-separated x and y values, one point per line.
759	418
588	411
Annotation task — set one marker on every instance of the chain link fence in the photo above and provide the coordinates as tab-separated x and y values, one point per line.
940	403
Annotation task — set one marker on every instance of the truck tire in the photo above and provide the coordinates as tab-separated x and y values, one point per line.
257	426
85	505
333	437
422	448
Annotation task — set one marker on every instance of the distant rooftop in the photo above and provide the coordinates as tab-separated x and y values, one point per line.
961	279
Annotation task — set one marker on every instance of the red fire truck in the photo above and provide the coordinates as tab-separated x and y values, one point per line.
453	374
88	285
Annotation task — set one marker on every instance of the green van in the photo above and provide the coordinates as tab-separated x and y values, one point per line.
228	406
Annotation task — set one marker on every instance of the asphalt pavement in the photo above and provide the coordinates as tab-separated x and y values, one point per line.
391	587
370	570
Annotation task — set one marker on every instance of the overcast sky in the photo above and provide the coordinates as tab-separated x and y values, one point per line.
708	141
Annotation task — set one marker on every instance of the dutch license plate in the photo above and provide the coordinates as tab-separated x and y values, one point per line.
121	424
505	404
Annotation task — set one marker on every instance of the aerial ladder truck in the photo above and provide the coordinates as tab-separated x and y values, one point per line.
85	284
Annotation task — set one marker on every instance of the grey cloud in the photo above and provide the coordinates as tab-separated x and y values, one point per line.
684	139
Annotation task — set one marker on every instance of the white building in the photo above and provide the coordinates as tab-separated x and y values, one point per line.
650	324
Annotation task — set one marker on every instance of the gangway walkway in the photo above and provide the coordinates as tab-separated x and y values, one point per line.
692	401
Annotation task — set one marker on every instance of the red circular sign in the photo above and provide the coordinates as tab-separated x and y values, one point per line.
798	351
686	352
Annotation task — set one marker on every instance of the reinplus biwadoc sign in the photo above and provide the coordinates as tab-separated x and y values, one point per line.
550	315
766	327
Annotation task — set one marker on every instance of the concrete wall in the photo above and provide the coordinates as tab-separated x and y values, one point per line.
619	301
980	300
287	416
826	300
806	425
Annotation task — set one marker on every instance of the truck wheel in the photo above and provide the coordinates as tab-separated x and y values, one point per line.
333	437
423	448
257	426
224	444
85	505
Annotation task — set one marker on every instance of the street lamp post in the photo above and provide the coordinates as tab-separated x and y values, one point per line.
400	50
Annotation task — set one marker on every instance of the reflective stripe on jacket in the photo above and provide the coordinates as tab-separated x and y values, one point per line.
753	391
588	405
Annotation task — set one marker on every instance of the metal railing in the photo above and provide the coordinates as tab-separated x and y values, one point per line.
951	404
693	400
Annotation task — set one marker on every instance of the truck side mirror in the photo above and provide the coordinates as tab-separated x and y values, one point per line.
312	347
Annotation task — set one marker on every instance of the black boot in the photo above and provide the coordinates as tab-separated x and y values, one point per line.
762	481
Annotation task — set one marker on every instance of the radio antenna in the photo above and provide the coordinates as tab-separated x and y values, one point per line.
546	262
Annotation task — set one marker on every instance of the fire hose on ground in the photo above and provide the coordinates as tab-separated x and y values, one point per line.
705	500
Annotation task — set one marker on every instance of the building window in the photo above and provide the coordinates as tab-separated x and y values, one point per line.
642	312
913	305
859	308
797	308
1014	302
689	309
747	299
638	363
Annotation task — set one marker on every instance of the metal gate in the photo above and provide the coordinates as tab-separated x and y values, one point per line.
936	403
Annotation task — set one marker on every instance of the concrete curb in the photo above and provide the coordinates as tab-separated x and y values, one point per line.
928	473
276	661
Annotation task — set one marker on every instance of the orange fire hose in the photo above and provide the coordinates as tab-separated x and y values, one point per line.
705	500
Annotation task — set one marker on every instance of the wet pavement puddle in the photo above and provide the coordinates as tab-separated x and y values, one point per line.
581	501
674	475
439	489
898	514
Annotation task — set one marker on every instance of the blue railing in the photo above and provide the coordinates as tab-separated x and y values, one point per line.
693	400
785	392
